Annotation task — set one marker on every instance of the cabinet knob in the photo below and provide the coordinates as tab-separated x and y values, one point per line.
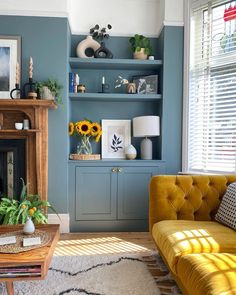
113	170
119	170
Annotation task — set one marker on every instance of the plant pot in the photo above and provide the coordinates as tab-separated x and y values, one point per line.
140	54
46	93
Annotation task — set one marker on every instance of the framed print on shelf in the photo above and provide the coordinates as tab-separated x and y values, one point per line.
116	136
10	55
146	84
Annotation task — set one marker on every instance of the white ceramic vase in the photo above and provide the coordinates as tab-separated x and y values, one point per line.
130	152
88	43
29	227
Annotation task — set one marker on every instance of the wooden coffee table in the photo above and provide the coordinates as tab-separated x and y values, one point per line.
37	260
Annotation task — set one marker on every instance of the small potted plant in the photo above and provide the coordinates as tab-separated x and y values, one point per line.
49	89
140	46
101	34
28	206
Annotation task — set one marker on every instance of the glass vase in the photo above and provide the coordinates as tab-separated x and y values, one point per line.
84	147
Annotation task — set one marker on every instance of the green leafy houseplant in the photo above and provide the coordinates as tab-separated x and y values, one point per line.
138	42
16	212
53	86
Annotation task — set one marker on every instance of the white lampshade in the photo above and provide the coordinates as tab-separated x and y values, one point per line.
146	126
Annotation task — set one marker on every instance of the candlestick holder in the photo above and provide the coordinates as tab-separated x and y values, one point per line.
16	91
105	88
29	89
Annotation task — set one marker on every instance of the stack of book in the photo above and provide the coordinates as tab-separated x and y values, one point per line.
20	271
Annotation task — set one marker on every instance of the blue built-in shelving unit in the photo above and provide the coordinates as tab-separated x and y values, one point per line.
114	64
111	194
115	97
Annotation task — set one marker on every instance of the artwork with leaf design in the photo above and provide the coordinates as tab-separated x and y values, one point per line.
116	143
115	138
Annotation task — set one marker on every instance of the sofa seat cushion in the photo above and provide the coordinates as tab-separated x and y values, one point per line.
176	238
208	274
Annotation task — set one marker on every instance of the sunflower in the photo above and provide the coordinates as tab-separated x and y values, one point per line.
83	127
71	128
95	129
98	136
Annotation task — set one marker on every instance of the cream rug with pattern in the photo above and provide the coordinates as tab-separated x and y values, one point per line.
101	275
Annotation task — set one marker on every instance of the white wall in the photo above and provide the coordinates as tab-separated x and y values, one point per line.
34	7
174	11
126	16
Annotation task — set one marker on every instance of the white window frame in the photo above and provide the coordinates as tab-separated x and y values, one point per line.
185	134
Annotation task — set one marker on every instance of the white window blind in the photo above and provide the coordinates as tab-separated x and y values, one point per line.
212	87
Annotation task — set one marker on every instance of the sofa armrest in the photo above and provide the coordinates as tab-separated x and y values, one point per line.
190	197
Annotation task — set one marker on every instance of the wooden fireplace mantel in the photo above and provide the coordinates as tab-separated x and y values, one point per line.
36	111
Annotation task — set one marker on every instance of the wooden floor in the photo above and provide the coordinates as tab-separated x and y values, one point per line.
104	243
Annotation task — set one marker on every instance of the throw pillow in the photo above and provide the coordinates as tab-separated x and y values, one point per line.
226	213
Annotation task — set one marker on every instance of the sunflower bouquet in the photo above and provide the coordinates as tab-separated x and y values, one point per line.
86	130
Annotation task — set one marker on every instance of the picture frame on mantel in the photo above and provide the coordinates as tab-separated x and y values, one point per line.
116	136
10	55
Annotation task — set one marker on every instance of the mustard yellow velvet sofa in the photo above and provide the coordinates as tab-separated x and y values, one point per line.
200	252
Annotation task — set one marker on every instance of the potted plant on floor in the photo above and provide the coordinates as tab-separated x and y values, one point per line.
140	46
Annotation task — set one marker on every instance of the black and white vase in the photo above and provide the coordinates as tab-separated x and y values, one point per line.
103	52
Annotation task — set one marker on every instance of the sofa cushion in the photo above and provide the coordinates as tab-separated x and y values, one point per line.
208	274
176	238
226	213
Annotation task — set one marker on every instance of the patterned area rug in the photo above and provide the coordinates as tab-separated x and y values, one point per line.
163	278
102	275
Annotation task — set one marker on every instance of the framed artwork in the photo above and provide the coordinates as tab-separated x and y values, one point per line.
116	136
10	54
146	84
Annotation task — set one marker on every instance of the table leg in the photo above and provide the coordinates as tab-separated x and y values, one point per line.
10	287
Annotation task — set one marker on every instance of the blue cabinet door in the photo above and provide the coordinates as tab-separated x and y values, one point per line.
95	193
133	183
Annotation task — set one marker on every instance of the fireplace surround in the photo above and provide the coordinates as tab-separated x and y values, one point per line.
35	139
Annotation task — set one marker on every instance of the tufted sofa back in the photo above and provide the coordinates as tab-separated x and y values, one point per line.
190	197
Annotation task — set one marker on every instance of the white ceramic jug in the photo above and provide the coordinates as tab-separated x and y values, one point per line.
29	227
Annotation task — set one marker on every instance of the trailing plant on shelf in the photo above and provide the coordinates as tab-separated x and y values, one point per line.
139	44
50	89
29	205
100	34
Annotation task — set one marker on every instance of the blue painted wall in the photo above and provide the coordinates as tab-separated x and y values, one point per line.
46	40
171	48
49	42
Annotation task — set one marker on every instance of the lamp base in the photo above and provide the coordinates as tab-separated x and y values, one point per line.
146	149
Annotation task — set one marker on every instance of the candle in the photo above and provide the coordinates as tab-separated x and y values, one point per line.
31	68
103	80
17	73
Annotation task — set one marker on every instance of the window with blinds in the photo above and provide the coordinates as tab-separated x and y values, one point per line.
212	87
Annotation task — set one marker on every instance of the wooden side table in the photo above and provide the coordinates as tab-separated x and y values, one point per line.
33	263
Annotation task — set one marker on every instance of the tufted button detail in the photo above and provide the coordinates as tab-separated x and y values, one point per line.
203	198
186	197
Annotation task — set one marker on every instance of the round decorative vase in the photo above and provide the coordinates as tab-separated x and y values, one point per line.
29	227
84	147
140	54
130	152
131	88
85	46
103	52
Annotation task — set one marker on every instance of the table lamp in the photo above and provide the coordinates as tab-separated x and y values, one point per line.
146	126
